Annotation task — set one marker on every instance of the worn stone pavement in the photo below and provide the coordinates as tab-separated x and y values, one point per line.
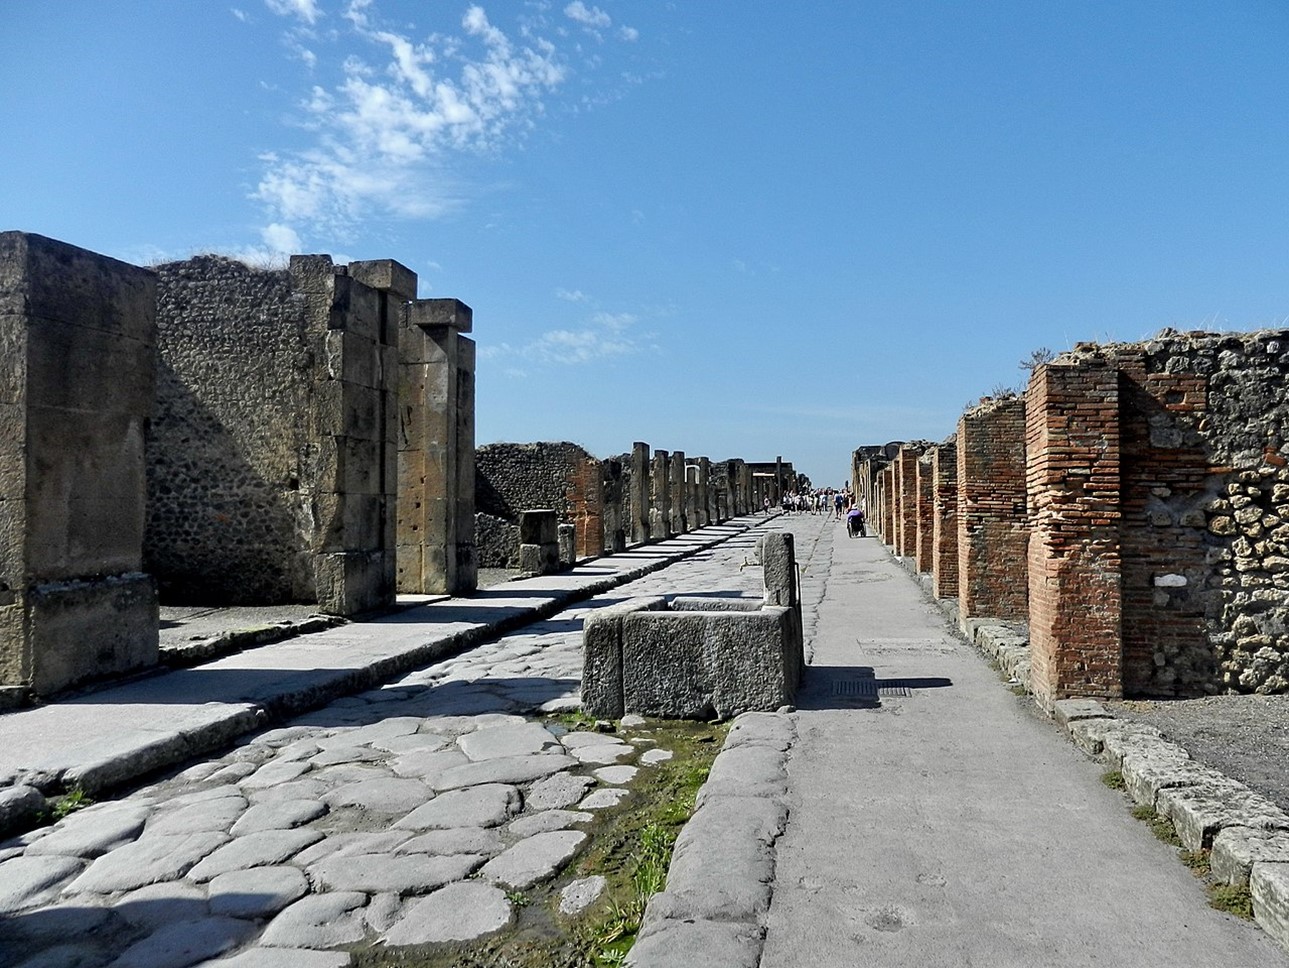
403	814
912	811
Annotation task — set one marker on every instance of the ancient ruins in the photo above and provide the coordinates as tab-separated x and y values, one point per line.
1131	507
205	432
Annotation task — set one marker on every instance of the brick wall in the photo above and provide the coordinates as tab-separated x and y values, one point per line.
925	489
992	520
944	538
906	469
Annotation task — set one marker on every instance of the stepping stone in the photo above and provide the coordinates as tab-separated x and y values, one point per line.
560	790
254	850
518	739
281	815
256	893
459	912
318	921
428	763
608	797
650	757
185	943
458	840
284	958
483	806
535	859
147	861
616	775
581	894
157	905
25	881
633	721
91	833
406	874
546	821
579	739
388	795
203	815
503	769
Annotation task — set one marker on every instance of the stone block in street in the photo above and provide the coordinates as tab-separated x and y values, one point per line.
484	841
1269	885
1198	812
146	861
257	892
560	790
712	944
503	769
92	832
387	795
458	912
546	821
517	740
534	859
488	805
279	815
254	850
402	874
1237	849
579	895
185	943
284	958
318	921
25	881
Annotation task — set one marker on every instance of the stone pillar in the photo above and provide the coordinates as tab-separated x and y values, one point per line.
1075	561
676	473
566	537
660	497
993	527
889	501
539	548
707	493
777	496
944	539
925	500
436	552
907	524
77	380
587	505
615	534
778	563
751	502
641	517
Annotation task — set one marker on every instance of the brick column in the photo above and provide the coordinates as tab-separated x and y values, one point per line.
1075	566
944	539
907	524
993	524
923	542
888	504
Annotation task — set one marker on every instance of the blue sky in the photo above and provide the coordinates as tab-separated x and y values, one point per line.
730	228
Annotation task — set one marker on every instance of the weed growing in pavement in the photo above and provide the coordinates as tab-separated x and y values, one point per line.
69	802
1113	779
1197	861
1237	901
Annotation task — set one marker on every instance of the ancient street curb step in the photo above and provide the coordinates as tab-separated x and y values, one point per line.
722	871
1247	833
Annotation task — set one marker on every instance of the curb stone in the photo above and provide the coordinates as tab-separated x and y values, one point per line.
1248	835
713	913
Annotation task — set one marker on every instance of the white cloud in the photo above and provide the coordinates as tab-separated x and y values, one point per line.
384	134
306	10
239	14
281	238
617	322
589	16
629	34
575	296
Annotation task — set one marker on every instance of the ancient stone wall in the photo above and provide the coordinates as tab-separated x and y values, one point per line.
77	372
924	488
993	524
944	538
272	463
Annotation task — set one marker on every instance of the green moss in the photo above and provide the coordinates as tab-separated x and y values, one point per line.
1232	900
1113	779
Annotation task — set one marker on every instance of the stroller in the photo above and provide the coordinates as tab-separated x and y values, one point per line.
855	523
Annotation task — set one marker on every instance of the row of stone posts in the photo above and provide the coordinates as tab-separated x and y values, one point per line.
671	495
1131	507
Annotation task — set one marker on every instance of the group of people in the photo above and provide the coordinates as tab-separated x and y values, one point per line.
842	504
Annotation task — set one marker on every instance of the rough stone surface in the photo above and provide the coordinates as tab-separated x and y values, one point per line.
709	943
402	874
1198	812
547	820
503	769
146	861
1237	849
458	840
256	893
92	832
560	790
384	795
160	904
284	958
185	943
318	921
516	740
1269	885
279	815
25	880
579	895
254	850
534	859
483	806
458	912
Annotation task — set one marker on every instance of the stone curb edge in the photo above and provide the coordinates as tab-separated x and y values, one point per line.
23	796
719	885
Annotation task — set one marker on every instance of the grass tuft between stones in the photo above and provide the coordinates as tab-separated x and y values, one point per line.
1114	780
1237	901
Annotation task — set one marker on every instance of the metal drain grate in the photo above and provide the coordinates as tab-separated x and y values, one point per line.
871	688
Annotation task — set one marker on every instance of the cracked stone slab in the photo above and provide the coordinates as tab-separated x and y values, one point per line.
503	769
412	743
427	763
278	815
458	912
146	861
1110	739
1198	812
534	859
185	943
362	735
387	795
746	771
399	873
651	757
488	805
318	921
274	773
1148	770
456	840
575	740
92	833
603	799
26	881
256	893
306	789
602	754
517	739
383	912
546	821
616	775
1237	849
560	790
349	844
254	850
761	729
